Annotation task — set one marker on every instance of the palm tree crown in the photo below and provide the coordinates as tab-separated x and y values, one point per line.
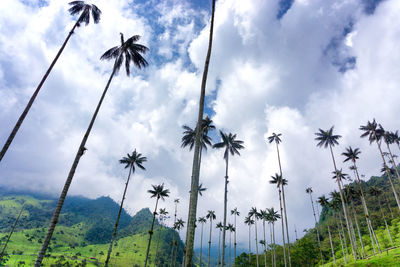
235	212
351	154
189	134
131	160
86	9
129	51
211	215
158	191
274	137
327	138
230	143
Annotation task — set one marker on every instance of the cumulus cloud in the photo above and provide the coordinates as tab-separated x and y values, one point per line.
316	65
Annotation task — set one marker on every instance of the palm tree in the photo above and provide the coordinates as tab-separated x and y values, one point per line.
85	11
131	52
377	192
389	139
396	138
158	192
130	161
211	216
254	213
374	134
264	217
336	205
328	139
174	243
310	191
162	214
279	181
232	146
201	220
178	225
352	155
276	138
219	227
324	202
11	232
235	213
196	162
249	221
273	216
231	229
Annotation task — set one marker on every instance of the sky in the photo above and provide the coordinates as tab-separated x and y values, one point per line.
288	67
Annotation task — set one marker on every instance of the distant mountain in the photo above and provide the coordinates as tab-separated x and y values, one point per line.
85	228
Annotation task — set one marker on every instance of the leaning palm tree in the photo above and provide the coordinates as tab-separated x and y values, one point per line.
374	135
352	155
254	213
328	139
196	163
310	191
249	221
276	138
162	214
219	226
231	229
158	192
11	232
232	146
201	220
86	11
279	181
324	202
235	213
129	161
211	216
131	52
377	192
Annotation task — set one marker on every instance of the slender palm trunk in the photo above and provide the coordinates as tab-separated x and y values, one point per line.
157	246
284	207
265	245
249	243
387	171
394	162
209	243
33	97
316	227
367	217
11	232
273	235
272	245
201	242
173	239
71	173
219	248
225	210
118	216
234	242
230	243
358	230
255	230
341	243
196	166
151	232
330	242
384	219
283	227
344	208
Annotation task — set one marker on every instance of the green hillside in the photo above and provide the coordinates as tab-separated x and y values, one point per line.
83	233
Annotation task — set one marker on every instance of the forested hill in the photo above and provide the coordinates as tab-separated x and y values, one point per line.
83	232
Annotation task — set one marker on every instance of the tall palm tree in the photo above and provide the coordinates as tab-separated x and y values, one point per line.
352	155
11	232
235	213
375	134
273	216
162	214
232	146
324	202
201	220
196	162
211	216
231	229
85	11
254	213
249	221
174	242
264	217
276	138
178	225
129	161
279	181
328	139
219	226
310	191
377	192
158	192
129	51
